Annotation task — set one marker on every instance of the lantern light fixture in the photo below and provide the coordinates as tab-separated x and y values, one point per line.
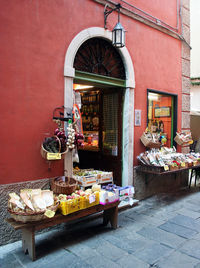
118	33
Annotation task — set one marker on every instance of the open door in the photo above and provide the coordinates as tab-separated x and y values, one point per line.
102	128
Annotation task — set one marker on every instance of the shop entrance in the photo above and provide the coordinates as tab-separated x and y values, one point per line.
100	77
101	109
91	59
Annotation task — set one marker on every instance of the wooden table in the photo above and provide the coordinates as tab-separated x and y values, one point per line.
157	171
110	214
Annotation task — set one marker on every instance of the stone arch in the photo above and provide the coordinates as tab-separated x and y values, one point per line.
128	111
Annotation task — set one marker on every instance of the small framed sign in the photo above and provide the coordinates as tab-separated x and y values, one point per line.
137	117
162	111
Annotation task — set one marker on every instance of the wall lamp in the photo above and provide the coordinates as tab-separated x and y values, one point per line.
118	33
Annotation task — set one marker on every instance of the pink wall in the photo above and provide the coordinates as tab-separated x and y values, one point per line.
35	36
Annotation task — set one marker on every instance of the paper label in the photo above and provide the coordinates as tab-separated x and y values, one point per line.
92	198
53	156
166	167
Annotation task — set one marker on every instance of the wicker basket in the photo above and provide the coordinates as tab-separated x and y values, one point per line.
149	143
30	217
69	188
44	152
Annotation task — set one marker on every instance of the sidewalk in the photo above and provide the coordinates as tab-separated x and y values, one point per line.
162	231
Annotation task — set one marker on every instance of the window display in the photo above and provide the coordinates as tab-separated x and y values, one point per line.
160	116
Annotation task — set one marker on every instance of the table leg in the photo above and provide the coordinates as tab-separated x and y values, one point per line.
195	178
191	178
111	215
28	242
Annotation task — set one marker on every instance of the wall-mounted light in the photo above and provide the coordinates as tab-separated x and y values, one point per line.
118	33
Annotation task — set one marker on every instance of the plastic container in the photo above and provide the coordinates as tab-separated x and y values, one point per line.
91	200
71	205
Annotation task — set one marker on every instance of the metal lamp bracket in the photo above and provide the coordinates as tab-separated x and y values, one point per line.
107	12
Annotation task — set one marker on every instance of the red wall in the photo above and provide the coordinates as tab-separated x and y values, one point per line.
35	36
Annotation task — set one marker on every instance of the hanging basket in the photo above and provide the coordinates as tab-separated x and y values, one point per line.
44	152
59	186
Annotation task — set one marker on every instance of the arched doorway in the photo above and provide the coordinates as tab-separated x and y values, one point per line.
128	107
99	66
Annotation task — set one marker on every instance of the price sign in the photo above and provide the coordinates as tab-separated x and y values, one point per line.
53	156
166	168
183	164
92	198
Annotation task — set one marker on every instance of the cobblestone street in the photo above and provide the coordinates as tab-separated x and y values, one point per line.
162	231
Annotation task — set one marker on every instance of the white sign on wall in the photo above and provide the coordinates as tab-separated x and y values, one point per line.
137	117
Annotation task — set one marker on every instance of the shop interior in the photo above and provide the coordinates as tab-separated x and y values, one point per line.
101	109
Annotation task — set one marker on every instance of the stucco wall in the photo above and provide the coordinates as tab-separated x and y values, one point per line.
32	84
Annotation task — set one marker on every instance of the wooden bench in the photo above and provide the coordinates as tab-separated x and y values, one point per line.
110	214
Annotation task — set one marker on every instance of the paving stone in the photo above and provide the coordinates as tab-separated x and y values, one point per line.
148	219
43	259
161	236
178	260
186	222
192	207
194	201
164	215
189	213
110	251
10	261
71	261
129	245
101	262
82	251
125	222
130	261
123	233
178	230
197	236
191	248
153	253
94	243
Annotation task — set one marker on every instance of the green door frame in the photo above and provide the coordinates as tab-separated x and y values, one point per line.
97	80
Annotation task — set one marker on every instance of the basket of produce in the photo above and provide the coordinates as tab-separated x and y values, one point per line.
32	205
63	185
54	145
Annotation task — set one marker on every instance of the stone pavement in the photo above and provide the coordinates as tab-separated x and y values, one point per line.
162	231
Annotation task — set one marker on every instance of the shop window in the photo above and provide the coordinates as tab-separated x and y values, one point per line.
161	116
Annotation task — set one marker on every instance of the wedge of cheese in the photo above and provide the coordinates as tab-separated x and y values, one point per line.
15	199
25	197
38	201
47	196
